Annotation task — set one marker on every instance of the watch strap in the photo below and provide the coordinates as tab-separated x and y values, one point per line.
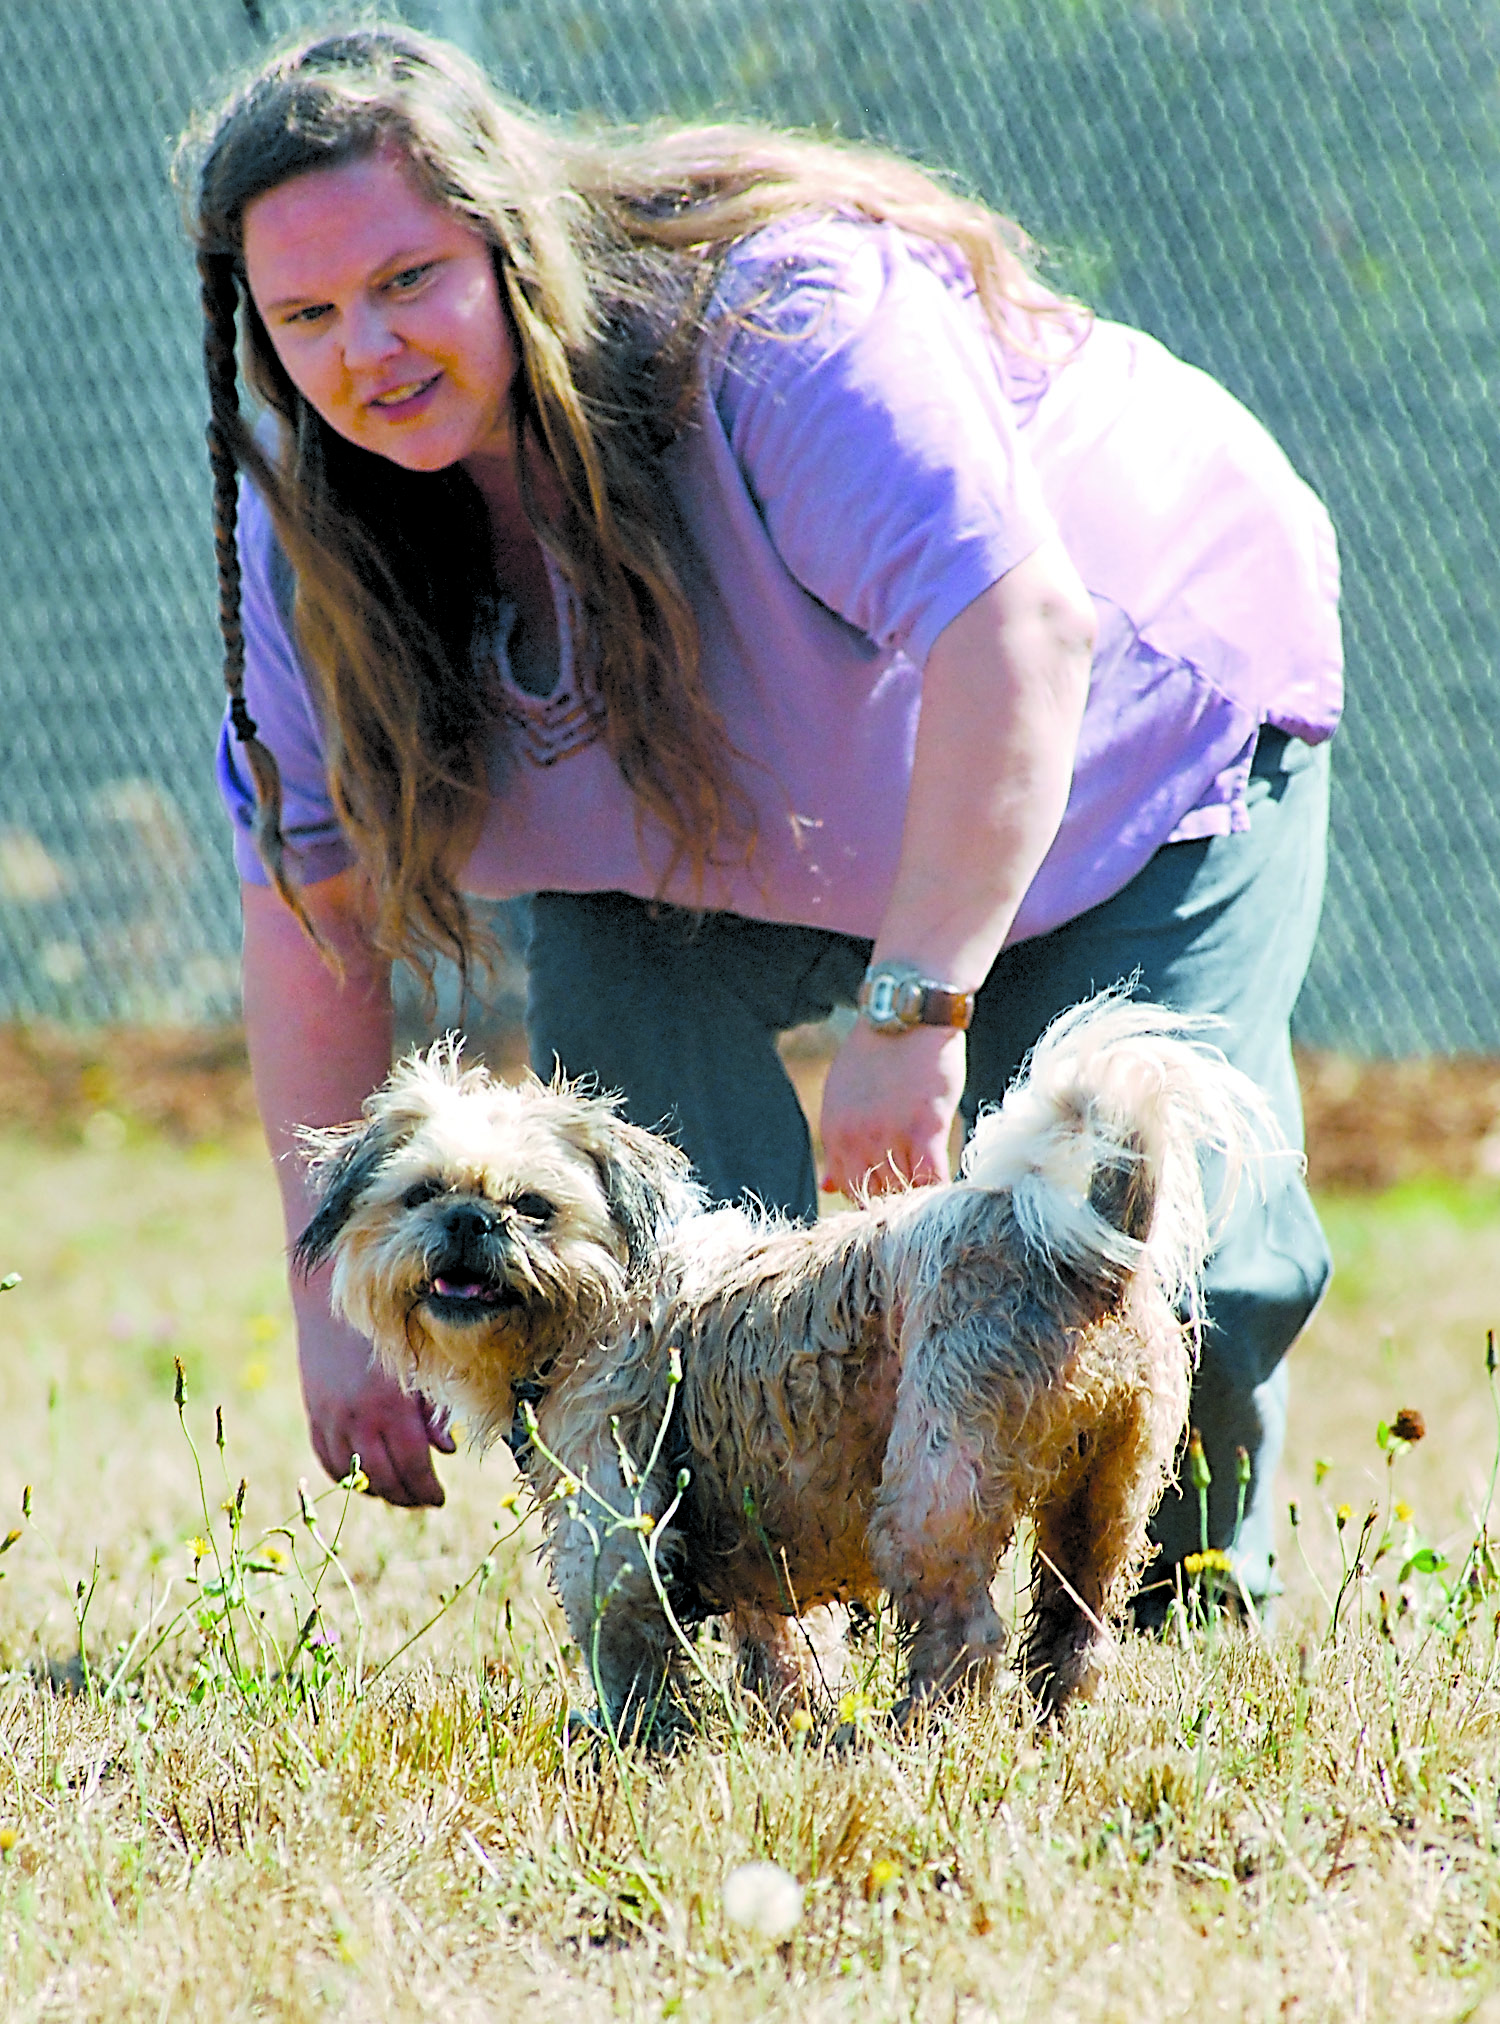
942	1005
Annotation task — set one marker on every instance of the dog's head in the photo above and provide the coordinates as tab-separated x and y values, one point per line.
477	1229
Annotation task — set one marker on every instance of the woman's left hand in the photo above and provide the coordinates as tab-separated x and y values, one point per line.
888	1108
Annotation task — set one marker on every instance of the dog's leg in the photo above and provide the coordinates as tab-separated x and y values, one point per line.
944	1516
611	1602
1090	1542
791	1662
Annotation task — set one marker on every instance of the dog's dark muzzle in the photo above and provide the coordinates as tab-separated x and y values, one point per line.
474	1267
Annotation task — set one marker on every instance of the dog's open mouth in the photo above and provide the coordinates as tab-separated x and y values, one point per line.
455	1297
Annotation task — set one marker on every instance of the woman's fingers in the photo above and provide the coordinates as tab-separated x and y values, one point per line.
353	1408
390	1437
403	1466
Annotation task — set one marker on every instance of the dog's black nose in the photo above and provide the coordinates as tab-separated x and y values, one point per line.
470	1222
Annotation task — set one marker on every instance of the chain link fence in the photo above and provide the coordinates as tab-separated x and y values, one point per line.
1298	195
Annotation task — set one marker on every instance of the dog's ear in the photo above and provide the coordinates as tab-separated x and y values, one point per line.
646	1181
343	1163
634	1186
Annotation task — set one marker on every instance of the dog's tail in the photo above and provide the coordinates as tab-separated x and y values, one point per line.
1099	1141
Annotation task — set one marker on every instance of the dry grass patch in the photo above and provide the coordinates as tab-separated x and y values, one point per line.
1222	1837
1304	1827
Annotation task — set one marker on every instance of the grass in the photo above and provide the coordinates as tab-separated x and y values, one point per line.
251	1814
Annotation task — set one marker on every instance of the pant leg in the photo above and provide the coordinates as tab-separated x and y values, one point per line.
1223	926
680	1012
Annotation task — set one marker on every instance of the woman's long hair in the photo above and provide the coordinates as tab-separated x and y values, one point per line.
607	246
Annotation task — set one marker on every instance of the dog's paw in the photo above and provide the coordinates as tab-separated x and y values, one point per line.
670	1728
585	1731
914	1712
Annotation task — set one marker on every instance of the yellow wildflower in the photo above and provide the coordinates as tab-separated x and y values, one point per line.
1214	1561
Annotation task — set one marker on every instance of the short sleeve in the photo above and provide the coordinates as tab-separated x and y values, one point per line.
864	404
279	701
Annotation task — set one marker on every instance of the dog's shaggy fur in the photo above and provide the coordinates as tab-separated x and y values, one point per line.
867	1405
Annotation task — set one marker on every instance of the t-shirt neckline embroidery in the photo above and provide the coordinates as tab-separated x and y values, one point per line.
546	728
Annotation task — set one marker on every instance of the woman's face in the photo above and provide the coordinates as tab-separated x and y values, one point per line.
385	311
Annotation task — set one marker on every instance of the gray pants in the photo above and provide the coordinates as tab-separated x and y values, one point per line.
681	1012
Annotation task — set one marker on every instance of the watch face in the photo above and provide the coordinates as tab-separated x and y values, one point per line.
893	1000
880	1000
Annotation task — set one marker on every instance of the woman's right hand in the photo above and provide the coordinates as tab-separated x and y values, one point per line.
353	1408
319	1043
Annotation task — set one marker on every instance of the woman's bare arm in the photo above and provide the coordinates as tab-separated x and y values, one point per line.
318	1045
1002	701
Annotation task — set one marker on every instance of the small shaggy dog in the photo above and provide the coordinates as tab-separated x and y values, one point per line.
869	1404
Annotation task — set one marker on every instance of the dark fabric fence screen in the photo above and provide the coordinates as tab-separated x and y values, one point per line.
1299	195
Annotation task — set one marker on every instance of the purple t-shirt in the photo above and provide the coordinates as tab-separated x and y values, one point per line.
865	459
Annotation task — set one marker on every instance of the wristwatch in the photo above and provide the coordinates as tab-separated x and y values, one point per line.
896	996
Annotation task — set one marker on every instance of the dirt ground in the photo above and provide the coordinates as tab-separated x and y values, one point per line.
1370	1124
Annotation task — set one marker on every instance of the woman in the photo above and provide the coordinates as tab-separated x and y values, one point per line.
725	538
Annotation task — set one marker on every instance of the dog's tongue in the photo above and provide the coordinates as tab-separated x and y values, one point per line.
459	1289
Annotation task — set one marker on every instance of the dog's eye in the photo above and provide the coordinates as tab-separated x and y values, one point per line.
535	1208
420	1192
